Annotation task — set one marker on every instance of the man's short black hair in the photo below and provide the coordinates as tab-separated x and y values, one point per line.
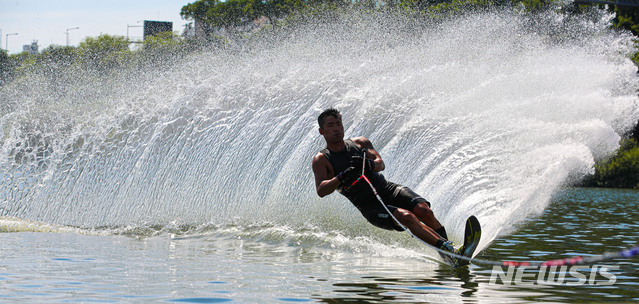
326	113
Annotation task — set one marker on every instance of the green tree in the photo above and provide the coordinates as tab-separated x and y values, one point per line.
621	170
234	13
21	62
162	48
231	14
626	18
54	64
61	56
103	53
197	10
277	9
6	68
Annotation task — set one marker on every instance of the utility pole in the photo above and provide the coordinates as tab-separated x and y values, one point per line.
70	29
6	41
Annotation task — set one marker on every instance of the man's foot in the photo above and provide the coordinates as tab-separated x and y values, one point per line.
450	247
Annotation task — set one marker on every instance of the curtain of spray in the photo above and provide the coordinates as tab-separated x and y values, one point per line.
487	114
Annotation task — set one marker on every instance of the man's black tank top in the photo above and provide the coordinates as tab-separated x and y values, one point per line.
360	194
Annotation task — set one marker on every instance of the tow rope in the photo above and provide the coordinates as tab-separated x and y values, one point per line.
578	260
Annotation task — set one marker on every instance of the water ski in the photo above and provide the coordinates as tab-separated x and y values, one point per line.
472	235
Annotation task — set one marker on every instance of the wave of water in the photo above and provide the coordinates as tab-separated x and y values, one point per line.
486	114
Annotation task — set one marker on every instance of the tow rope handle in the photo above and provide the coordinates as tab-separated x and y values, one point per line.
363	176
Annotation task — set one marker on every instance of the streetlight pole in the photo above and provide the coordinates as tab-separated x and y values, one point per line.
70	29
6	41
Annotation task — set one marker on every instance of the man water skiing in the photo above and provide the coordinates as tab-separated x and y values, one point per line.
339	165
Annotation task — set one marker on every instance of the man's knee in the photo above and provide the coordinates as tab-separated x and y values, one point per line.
422	209
405	217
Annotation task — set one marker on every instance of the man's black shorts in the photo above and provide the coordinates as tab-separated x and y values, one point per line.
394	196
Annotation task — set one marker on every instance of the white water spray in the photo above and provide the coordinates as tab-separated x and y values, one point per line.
487	114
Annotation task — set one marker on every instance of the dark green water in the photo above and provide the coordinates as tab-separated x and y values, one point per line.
580	222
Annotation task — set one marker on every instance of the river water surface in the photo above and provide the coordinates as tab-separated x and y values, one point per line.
252	264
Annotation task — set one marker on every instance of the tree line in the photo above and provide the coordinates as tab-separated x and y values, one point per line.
95	55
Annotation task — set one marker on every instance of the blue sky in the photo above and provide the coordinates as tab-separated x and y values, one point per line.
47	20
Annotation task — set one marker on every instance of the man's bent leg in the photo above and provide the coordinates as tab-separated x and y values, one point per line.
426	215
404	197
425	233
410	221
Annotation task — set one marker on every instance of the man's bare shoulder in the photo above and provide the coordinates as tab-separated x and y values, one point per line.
319	159
321	167
363	142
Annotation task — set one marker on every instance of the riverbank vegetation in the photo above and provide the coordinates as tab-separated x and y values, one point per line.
217	23
620	170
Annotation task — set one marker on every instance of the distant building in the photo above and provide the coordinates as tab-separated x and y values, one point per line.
151	28
31	48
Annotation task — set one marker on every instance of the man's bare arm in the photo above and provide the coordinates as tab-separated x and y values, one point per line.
325	180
